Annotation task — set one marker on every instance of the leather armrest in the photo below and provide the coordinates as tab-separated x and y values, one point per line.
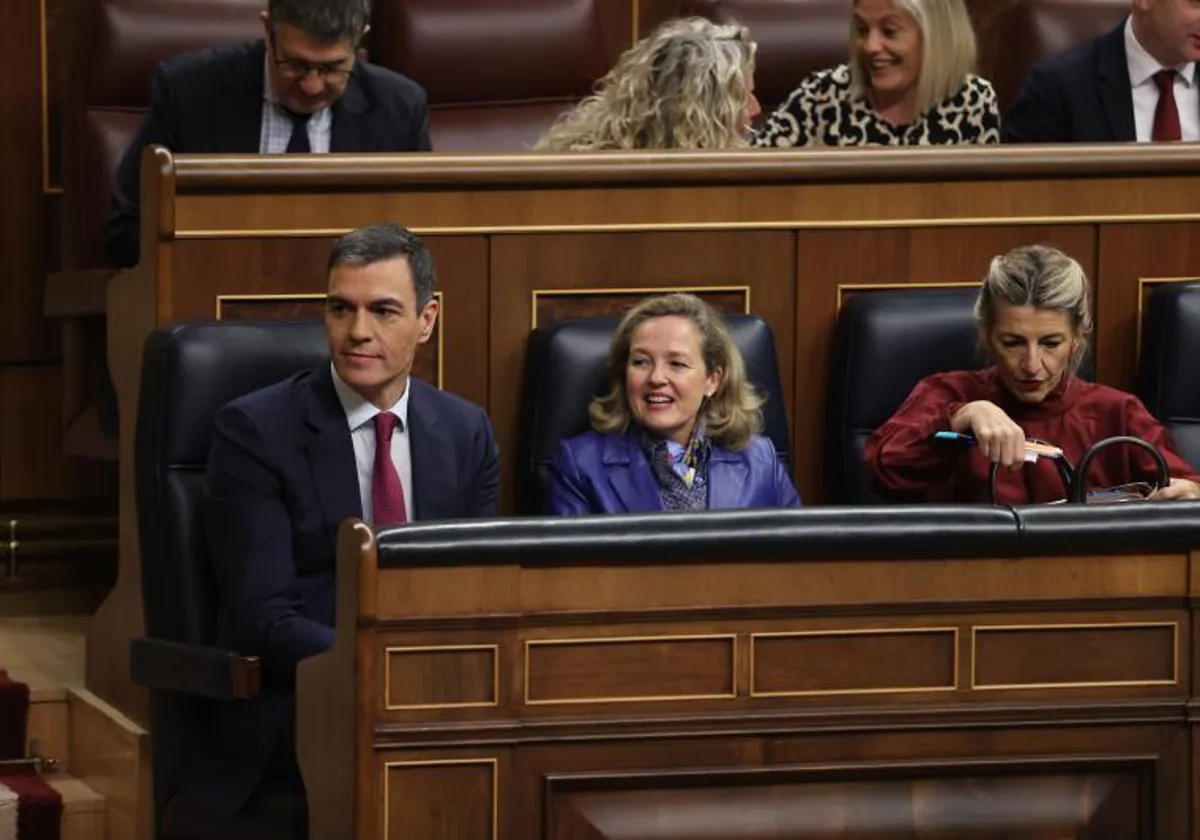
193	669
71	294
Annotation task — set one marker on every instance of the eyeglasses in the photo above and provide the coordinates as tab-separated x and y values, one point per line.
295	69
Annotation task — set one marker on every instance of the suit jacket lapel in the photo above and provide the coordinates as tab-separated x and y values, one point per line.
727	474
331	454
1116	93
433	468
351	115
237	117
629	473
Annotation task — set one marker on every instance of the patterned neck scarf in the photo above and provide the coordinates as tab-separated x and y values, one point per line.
680	471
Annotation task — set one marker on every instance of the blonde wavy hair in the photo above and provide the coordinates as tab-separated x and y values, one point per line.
732	415
685	86
948	50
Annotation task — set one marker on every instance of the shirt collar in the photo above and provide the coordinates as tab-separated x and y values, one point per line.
359	412
1143	66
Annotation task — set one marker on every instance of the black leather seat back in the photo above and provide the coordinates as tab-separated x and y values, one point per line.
188	373
885	343
565	368
1169	369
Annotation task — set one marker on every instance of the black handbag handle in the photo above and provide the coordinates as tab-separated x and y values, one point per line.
1079	485
1065	471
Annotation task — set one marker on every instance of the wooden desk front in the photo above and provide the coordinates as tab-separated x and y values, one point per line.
985	697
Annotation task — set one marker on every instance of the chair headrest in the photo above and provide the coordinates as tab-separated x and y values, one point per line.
126	39
528	49
1168	381
566	369
887	341
190	371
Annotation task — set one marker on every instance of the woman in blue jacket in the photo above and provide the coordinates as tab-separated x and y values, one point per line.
678	429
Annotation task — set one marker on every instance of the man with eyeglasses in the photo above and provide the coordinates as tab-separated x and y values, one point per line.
302	89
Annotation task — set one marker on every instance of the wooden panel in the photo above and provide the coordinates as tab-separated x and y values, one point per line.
769	804
563	304
854	662
450	798
27	223
441	677
629	669
1129	254
1076	656
888	257
32	465
521	265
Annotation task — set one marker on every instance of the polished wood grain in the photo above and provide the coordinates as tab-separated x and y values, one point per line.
765	702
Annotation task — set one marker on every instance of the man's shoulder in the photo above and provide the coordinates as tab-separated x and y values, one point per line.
283	399
387	85
1077	62
212	62
449	407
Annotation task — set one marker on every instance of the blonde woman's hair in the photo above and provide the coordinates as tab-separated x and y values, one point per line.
948	50
686	86
732	415
1041	277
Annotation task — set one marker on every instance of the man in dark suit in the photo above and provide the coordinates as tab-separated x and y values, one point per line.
1137	83
301	89
358	438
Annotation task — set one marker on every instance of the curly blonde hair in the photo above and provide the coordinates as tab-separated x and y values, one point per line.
685	86
732	415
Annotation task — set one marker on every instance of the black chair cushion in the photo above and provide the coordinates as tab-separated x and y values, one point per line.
885	343
1168	372
565	368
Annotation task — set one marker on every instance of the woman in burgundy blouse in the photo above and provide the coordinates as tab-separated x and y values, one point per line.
1034	317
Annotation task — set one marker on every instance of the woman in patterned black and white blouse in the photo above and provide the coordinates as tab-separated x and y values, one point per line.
909	82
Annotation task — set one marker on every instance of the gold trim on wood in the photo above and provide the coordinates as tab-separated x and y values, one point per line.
631	290
635	26
44	60
1142	283
601	640
443	762
884	287
865	631
437	295
989	628
626	227
387	677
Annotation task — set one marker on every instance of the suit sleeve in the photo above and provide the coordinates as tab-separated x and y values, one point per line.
420	126
901	458
487	471
122	230
1039	113
565	494
1142	424
249	534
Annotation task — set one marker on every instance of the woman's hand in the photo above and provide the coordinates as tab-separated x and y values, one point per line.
1179	488
1000	439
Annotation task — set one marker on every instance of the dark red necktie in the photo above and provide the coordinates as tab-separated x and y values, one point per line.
1166	115
387	493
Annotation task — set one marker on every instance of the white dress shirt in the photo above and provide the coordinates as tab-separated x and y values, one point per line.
1142	67
360	415
277	125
